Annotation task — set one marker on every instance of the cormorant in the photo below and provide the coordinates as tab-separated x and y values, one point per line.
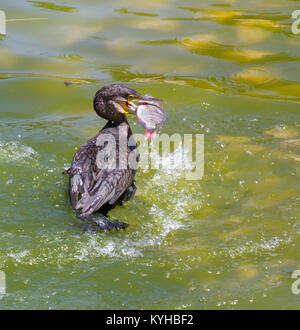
100	183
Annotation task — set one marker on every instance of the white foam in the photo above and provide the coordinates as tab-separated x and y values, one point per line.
165	222
257	248
176	162
19	256
15	151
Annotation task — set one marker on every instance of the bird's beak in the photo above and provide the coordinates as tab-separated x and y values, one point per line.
149	98
129	107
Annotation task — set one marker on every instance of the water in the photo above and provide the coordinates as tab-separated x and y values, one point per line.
226	69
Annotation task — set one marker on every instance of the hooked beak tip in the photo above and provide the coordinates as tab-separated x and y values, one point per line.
149	98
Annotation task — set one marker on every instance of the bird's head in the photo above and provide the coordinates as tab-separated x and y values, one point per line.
114	102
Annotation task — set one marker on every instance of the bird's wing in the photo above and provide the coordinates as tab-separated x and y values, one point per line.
96	186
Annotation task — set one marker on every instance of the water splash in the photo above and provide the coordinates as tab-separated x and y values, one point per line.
14	151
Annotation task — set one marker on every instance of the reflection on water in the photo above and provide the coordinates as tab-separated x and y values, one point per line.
228	70
52	6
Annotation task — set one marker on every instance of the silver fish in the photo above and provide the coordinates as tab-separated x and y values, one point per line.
151	116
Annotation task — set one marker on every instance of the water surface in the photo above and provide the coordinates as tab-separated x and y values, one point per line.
227	69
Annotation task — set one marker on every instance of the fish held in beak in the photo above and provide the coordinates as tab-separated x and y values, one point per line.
150	134
150	115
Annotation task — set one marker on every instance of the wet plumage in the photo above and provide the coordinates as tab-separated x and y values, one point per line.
100	185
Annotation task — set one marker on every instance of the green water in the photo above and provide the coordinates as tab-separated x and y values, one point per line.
227	69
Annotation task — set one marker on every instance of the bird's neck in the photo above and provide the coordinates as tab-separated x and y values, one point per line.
118	122
119	125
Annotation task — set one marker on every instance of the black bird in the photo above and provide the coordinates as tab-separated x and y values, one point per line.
100	175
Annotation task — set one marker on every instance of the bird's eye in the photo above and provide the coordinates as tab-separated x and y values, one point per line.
131	97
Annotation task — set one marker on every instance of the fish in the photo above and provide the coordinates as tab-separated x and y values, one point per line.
151	115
